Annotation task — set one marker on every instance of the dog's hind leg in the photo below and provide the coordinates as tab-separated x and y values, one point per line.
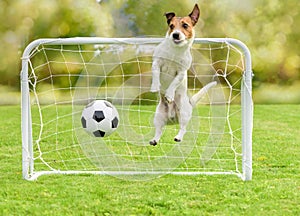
184	115
160	119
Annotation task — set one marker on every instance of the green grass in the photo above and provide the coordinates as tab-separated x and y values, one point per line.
60	148
274	190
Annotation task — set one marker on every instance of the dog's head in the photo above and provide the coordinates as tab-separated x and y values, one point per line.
181	29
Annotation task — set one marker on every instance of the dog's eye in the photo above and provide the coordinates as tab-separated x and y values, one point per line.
172	26
185	26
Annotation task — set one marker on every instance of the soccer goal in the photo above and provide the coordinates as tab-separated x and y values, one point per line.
60	77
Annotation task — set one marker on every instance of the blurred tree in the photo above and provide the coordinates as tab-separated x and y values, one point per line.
25	20
268	28
148	16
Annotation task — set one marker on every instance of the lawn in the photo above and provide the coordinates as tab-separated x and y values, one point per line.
274	190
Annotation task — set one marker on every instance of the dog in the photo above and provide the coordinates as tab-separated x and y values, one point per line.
171	60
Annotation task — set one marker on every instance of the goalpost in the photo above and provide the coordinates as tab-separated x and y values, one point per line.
60	77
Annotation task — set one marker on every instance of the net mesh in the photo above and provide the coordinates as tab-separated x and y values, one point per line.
63	79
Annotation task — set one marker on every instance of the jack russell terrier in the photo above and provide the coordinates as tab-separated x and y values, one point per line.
171	60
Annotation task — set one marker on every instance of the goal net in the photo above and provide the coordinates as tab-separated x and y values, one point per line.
60	77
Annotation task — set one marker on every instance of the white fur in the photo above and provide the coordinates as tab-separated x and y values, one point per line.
169	77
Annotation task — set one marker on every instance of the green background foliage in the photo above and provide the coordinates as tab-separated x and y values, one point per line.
268	28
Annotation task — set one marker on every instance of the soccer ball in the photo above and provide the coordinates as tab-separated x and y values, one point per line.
100	118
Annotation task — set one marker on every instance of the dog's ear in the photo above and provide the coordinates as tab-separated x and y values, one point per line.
194	15
169	16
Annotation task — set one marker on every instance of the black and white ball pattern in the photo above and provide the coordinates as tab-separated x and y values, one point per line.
100	118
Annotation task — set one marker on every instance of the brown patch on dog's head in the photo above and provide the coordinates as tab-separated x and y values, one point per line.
183	24
169	16
194	15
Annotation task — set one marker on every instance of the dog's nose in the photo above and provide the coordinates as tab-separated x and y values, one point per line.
176	36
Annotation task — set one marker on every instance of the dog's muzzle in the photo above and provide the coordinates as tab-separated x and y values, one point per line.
177	38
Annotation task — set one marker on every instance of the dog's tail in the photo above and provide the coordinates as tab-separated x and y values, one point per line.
196	98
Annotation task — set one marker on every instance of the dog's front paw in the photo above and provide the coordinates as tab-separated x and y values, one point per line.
168	99
154	88
169	96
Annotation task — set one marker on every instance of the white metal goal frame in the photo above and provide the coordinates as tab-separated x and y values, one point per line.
28	171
